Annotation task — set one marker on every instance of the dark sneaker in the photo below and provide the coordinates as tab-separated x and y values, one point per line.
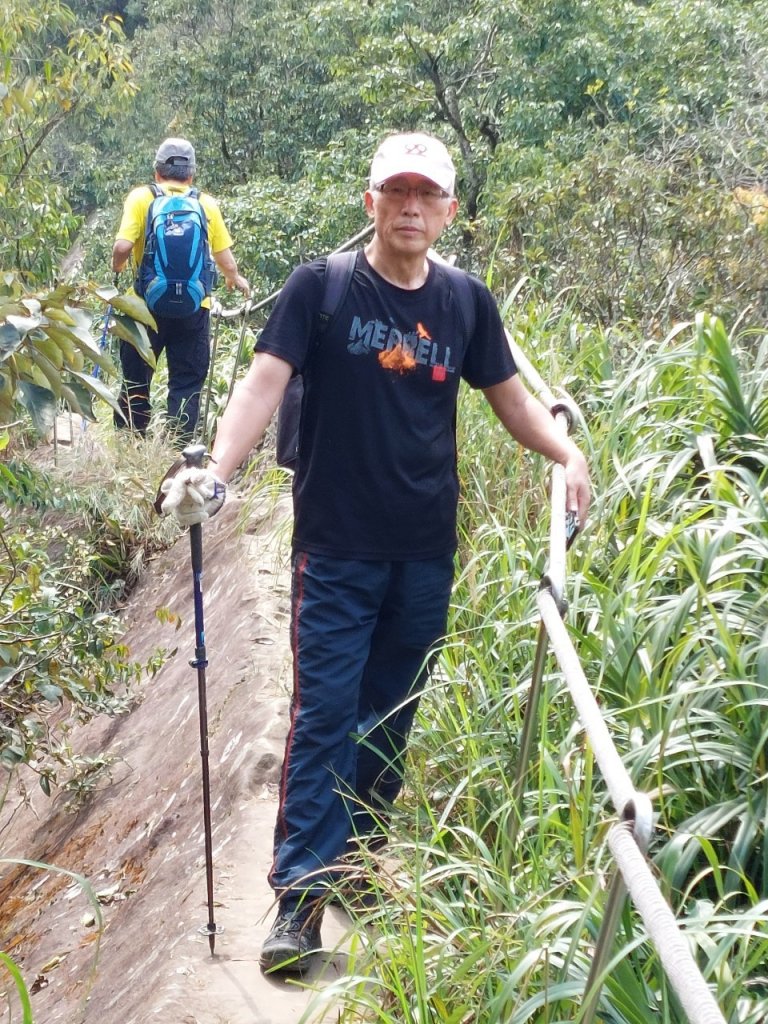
295	936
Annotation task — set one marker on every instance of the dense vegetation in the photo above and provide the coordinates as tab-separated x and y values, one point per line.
612	174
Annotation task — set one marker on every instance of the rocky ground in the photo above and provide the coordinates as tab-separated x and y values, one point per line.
138	839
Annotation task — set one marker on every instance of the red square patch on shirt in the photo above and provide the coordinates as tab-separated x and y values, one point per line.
438	373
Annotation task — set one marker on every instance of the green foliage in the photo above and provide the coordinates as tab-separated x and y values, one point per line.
668	611
612	169
628	236
46	338
278	225
49	70
68	554
21	988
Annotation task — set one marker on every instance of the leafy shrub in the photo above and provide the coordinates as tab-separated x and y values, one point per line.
69	553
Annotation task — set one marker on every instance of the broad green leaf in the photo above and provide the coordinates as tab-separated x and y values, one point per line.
10	339
85	343
59	295
135	334
79	399
40	403
47	368
136	308
63	339
51	350
100	389
49	691
59	315
24	323
82	326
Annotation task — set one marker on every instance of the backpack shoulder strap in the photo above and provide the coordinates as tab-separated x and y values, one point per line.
463	291
339	268
155	189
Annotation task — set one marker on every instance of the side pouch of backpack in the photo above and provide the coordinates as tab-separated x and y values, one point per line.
336	281
288	423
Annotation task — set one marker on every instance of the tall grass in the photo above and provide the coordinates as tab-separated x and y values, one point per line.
669	611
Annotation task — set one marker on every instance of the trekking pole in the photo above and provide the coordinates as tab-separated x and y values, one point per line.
215	311
96	372
193	456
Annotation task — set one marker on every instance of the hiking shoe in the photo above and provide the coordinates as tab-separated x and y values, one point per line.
294	937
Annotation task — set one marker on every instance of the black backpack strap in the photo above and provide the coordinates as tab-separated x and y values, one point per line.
339	268
155	189
461	285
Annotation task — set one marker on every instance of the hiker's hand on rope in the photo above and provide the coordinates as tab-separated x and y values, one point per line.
578	488
193	495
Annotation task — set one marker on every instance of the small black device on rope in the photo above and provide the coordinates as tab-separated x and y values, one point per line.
193	456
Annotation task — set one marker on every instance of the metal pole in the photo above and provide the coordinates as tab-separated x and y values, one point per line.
235	368
193	456
215	311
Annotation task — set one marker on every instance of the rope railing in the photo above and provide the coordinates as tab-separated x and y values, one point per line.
628	839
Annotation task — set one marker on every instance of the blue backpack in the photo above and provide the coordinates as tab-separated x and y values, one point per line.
176	271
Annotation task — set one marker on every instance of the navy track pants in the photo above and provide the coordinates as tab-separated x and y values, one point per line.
185	341
363	636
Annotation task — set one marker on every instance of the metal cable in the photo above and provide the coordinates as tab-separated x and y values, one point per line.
248	307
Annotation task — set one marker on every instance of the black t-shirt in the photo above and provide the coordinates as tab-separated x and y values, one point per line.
376	477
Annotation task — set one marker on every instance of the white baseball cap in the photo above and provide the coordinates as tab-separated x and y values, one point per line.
413	153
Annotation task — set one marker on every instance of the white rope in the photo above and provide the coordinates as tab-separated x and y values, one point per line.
671	945
612	767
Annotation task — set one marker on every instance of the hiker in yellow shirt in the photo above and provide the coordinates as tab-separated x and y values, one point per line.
185	339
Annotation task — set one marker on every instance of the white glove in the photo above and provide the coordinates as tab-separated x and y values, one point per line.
192	495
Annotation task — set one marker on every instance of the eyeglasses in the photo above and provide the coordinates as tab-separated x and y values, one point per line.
398	192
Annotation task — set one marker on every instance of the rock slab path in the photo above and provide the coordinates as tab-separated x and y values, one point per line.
138	838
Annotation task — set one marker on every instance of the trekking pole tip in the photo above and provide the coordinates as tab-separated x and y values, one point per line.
211	930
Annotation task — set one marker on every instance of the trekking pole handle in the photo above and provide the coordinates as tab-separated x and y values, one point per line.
194	454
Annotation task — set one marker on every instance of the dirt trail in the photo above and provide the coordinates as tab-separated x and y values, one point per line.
139	838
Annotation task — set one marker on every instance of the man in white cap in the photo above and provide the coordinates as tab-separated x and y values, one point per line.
375	499
185	339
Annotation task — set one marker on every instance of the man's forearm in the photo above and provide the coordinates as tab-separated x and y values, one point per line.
530	423
249	413
121	252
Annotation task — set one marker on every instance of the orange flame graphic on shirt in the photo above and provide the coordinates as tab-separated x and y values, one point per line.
422	332
398	359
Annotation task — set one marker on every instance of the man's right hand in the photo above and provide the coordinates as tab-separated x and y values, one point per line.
193	494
